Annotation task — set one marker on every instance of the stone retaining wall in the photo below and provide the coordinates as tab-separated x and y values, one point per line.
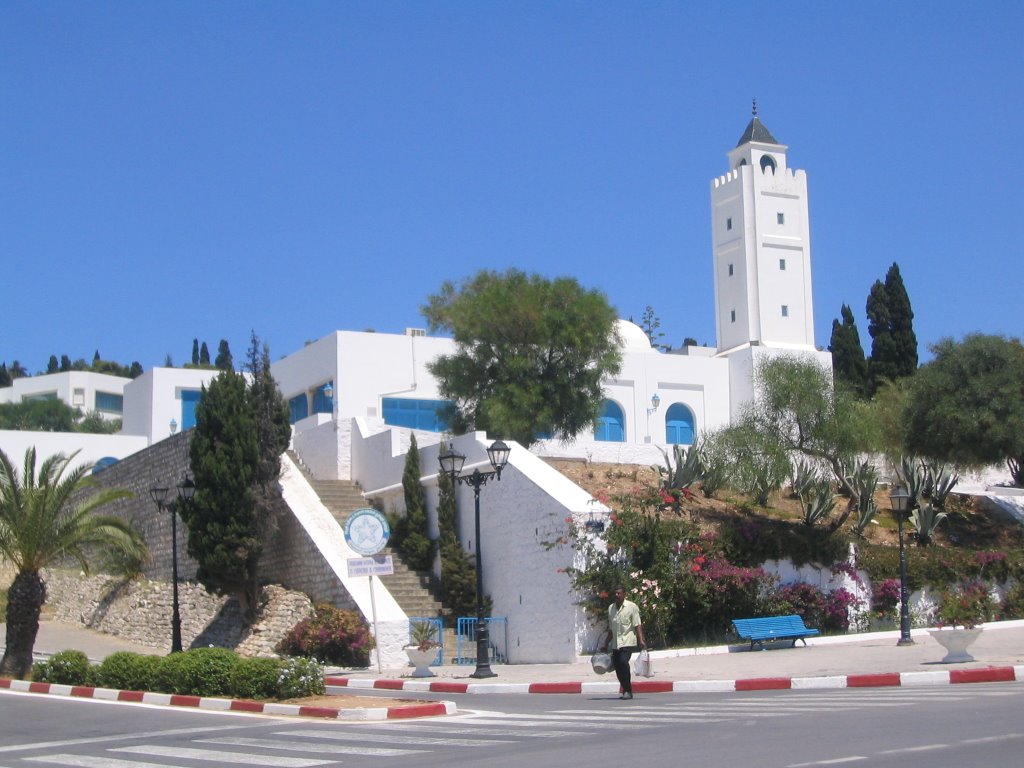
141	611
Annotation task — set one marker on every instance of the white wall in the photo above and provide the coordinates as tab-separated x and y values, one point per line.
92	447
522	518
154	399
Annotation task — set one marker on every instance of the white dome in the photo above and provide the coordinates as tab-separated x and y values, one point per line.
632	336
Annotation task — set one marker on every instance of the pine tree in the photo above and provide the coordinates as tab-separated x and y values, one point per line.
890	323
848	360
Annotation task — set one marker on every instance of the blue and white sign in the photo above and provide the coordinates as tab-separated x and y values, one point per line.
367	531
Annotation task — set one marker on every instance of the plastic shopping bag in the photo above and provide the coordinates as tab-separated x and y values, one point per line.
642	666
601	662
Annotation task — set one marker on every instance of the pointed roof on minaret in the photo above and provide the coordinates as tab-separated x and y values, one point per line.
756	131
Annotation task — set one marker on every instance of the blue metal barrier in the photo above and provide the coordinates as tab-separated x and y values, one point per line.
497	629
438	633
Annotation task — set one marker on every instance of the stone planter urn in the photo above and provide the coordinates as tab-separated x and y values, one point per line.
421	660
955	640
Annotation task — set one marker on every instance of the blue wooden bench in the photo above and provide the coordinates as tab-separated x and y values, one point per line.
760	631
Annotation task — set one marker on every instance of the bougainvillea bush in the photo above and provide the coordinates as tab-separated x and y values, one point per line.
331	635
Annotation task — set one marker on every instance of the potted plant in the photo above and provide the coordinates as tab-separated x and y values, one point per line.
422	647
960	612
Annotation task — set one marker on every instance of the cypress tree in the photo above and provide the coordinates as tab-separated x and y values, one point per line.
52	366
204	354
241	431
848	360
890	323
416	545
223	360
195	351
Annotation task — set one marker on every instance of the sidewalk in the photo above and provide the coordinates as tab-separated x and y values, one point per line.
868	659
858	660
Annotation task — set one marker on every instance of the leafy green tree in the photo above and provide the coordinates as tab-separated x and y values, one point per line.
5	376
65	363
241	431
93	423
754	464
848	361
530	355
797	410
223	360
891	326
966	406
18	371
46	515
135	370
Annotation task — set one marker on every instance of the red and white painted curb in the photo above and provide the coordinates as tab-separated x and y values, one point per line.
234	705
878	680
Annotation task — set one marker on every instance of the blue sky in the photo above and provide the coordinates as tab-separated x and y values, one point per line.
193	169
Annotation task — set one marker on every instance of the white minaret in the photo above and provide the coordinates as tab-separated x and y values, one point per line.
762	248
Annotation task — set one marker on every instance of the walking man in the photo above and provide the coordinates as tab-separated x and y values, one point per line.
624	634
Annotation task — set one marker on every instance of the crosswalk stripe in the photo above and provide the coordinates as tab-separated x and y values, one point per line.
87	761
443	728
222	756
305	746
392	738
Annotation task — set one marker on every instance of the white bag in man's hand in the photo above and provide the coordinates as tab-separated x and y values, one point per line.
642	666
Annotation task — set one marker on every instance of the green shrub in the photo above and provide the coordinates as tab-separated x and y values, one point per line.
331	635
1012	606
197	672
69	667
256	678
967	605
299	678
128	671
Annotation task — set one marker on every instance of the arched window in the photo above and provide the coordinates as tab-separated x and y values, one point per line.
767	161
611	424
679	426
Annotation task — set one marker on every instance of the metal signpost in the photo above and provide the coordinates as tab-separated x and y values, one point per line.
367	532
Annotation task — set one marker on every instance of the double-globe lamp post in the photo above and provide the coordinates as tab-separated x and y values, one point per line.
186	490
451	464
899	500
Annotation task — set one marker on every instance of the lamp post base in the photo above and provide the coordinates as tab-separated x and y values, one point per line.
905	641
482	672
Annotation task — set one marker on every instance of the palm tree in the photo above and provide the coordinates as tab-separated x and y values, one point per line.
46	516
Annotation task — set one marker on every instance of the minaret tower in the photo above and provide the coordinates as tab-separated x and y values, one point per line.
762	248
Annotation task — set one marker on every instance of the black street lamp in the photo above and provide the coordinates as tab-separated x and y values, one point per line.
186	491
899	500
451	464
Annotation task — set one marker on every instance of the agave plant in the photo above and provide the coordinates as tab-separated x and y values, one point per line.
815	496
689	466
941	483
913	474
925	520
864	480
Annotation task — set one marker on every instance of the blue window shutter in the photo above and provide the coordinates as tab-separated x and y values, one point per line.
679	425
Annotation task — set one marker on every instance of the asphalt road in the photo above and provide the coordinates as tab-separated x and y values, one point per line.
964	726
